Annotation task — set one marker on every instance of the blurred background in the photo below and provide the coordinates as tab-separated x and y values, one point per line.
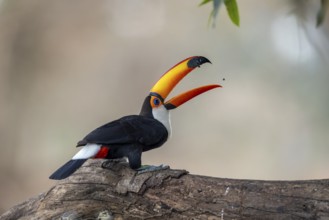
67	67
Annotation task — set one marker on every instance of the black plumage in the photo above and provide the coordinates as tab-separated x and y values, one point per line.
141	130
133	129
67	169
128	137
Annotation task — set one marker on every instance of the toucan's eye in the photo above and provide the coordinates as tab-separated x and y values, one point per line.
156	101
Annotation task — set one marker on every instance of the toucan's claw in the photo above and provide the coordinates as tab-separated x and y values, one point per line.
151	168
111	162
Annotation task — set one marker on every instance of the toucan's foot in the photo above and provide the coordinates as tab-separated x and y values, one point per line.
109	163
151	168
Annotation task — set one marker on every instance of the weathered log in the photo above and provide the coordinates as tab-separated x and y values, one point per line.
120	193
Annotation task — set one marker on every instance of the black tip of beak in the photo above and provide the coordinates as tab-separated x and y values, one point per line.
197	62
170	106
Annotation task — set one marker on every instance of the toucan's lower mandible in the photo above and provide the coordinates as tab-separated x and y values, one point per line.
131	135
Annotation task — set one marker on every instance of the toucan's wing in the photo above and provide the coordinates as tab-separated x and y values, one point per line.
128	130
111	133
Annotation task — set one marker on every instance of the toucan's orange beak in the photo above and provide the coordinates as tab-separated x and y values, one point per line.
184	97
173	76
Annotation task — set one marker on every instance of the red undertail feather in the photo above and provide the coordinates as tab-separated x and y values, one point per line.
102	153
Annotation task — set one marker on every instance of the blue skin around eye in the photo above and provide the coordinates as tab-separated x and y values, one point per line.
156	101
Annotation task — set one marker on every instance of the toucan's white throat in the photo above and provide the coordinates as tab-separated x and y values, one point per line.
163	115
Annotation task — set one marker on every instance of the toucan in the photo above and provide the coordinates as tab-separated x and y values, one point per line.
129	136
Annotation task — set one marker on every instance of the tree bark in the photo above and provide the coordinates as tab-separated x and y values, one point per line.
120	193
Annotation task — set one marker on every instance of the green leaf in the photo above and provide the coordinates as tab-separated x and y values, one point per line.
321	13
233	11
204	2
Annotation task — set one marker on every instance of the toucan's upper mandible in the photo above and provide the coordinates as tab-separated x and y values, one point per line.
175	74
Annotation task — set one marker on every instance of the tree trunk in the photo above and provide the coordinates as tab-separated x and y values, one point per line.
119	193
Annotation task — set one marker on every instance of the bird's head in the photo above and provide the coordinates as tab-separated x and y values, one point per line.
155	105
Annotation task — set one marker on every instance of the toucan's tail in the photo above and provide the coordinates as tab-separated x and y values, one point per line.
67	169
87	151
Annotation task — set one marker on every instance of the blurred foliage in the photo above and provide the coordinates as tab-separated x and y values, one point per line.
233	11
231	7
321	13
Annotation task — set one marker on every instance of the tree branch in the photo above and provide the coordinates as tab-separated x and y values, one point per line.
119	193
